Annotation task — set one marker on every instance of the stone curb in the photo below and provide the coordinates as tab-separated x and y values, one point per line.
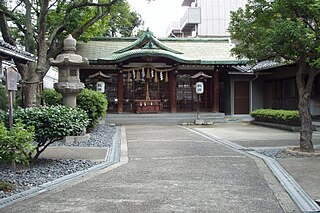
278	126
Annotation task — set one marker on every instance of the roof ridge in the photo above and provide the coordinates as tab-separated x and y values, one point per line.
147	37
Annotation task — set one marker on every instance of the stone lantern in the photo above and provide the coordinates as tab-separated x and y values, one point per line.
68	63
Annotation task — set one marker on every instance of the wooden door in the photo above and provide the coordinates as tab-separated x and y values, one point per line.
241	97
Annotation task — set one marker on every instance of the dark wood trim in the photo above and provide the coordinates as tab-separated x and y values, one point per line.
215	92
120	92
173	91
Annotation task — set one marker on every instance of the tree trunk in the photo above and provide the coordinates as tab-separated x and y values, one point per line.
306	125
304	90
31	94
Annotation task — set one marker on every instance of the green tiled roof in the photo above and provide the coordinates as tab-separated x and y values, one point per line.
116	58
183	50
147	39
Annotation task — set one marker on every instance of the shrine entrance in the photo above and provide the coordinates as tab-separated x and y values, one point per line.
148	75
146	89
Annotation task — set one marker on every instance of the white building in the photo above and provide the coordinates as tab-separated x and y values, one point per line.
205	18
50	78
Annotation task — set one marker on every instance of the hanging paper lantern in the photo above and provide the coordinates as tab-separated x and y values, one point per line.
100	86
155	77
133	74
166	78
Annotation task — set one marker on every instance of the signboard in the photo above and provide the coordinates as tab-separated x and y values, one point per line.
199	88
11	79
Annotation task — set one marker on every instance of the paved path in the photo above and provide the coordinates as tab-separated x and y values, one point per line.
170	169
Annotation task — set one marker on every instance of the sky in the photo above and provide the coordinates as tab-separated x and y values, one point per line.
158	14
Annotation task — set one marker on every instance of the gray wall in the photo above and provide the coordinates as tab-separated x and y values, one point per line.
257	94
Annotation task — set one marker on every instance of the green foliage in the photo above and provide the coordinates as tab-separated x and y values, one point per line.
3	98
41	27
16	145
277	30
3	116
4	186
51	97
52	123
94	103
288	117
122	20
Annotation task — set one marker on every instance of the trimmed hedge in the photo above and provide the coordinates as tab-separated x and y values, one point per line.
16	144
287	117
52	123
50	97
94	103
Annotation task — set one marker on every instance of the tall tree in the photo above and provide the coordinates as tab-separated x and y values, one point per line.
41	25
288	31
123	21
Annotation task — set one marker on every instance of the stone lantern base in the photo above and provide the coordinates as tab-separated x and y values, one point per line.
69	92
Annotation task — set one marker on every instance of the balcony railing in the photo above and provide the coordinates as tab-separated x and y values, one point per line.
191	17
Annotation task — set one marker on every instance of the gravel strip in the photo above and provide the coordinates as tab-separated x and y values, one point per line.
281	153
46	170
99	137
272	153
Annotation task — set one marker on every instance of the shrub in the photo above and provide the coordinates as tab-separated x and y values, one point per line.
52	123
3	98
3	116
51	97
288	117
4	186
16	145
94	103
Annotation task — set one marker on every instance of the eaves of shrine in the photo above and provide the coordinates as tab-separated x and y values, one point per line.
186	51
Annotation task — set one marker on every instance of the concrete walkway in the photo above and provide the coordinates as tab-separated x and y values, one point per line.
170	169
304	170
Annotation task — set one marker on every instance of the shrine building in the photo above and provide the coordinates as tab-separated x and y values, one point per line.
147	74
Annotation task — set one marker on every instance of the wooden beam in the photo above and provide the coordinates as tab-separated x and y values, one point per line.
120	92
173	91
215	92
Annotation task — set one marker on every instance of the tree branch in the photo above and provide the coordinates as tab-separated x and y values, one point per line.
12	11
55	34
86	4
5	30
89	23
53	4
14	19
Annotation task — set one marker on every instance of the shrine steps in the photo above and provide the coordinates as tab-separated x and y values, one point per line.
163	118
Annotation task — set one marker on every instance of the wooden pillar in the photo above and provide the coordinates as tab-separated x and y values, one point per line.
173	91
215	92
120	92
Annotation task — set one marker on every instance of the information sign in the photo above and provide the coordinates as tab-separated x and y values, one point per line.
11	79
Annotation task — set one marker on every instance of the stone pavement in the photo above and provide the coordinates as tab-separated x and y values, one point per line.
304	170
169	169
65	152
